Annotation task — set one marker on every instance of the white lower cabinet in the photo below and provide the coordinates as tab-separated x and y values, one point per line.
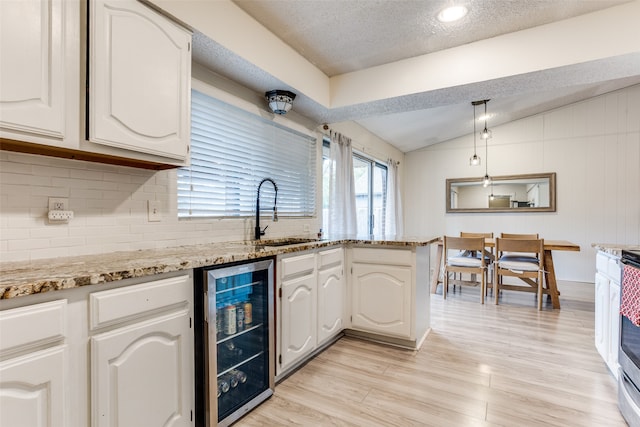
297	308
381	299
121	356
311	305
32	389
602	315
139	375
390	294
142	370
607	309
614	326
331	288
34	372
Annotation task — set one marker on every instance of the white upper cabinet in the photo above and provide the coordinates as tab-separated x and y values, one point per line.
139	79
32	79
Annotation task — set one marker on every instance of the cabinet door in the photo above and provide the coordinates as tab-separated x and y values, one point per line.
602	315
381	299
32	389
331	295
140	374
140	79
614	326
32	67
298	312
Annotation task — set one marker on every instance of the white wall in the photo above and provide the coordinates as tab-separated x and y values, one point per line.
593	146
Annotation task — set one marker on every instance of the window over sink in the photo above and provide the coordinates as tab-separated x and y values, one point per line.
232	150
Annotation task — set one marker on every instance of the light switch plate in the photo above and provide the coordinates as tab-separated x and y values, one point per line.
153	210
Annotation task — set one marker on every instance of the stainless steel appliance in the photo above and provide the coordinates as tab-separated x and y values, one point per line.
234	338
629	354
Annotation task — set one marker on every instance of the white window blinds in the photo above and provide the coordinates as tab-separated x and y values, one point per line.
232	150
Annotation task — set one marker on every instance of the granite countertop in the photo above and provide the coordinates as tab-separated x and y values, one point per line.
32	277
614	248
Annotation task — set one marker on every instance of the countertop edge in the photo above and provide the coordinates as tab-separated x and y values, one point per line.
19	279
614	248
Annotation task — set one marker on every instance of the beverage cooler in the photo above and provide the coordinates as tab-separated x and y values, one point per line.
234	338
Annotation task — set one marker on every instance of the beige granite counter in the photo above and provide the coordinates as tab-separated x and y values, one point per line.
32	277
614	248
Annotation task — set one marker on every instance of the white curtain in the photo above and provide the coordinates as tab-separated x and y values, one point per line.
342	195
393	226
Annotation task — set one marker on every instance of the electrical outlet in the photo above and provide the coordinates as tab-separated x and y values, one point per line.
58	204
153	210
58	215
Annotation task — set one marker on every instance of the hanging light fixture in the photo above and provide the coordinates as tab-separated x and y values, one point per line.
487	179
491	196
486	133
280	101
474	160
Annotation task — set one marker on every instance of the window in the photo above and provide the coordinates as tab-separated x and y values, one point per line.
371	195
232	150
371	192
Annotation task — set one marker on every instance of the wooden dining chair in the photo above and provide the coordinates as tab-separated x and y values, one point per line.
455	261
489	256
522	259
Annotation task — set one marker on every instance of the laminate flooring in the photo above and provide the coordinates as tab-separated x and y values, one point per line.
481	365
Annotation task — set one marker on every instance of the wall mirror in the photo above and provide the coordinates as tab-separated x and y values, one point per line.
511	193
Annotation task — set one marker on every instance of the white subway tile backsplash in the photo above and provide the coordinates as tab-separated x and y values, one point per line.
49	253
65	242
8	256
28	244
86	175
49	232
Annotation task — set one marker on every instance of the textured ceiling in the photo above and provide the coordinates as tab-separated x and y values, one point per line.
346	36
349	35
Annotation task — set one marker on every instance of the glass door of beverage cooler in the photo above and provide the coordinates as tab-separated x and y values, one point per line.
240	339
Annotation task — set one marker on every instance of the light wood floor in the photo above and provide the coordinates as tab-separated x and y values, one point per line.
505	365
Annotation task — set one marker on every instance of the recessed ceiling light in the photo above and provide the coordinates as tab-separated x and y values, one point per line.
452	13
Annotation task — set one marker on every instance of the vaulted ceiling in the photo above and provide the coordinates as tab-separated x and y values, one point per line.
392	67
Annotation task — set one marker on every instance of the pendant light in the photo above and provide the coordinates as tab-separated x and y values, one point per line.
474	160
486	133
486	181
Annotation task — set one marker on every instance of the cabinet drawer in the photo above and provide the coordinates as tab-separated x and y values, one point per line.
383	256
122	304
33	325
297	265
330	257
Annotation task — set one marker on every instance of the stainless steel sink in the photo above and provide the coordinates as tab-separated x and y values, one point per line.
284	242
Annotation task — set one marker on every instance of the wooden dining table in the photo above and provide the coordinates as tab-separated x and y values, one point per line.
550	274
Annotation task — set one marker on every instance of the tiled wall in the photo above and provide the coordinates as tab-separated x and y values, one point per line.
110	208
